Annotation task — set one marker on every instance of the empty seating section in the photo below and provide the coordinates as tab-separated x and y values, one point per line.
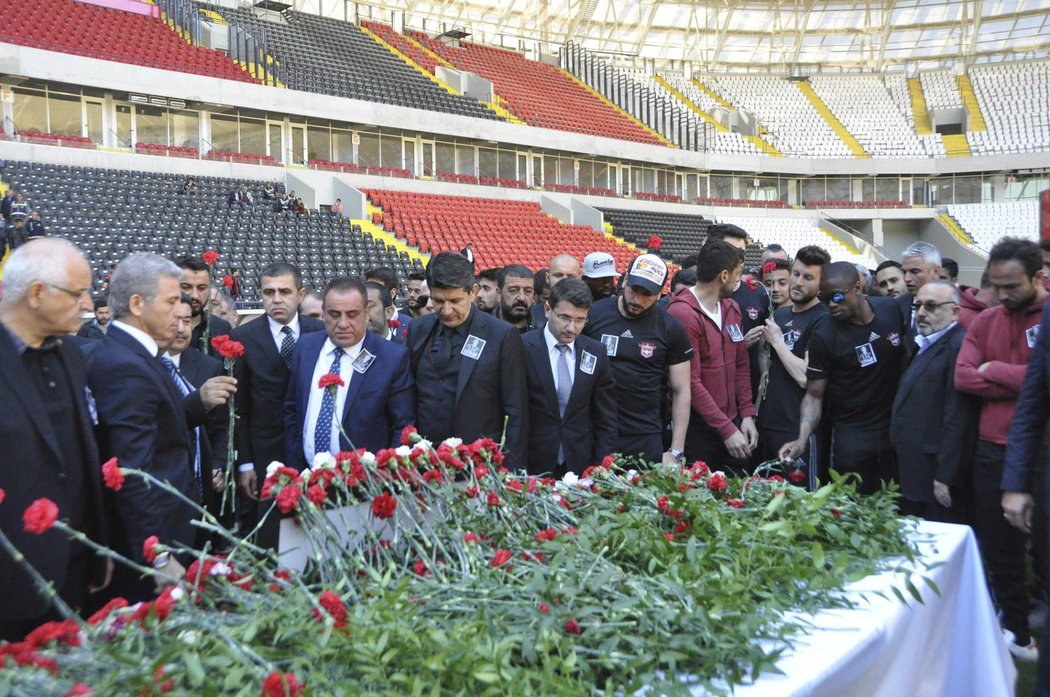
540	94
1015	102
73	27
419	56
897	86
681	234
864	106
796	129
986	223
940	90
792	234
329	56
503	232
111	213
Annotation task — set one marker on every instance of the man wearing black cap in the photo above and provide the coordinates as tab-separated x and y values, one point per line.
645	345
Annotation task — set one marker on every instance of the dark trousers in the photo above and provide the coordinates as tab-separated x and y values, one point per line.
705	444
74	591
648	446
1002	545
866	453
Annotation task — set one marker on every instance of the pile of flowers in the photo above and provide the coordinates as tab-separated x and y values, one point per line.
467	578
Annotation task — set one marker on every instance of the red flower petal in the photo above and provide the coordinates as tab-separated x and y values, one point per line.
40	516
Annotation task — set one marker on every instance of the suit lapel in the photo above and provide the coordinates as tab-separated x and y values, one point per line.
919	364
20	384
266	344
466	365
356	378
537	350
579	378
307	365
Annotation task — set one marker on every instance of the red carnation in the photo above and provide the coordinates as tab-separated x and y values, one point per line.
547	535
654	242
493	500
317	495
383	506
544	608
115	604
835	512
330	380
149	548
79	690
288	498
165	686
797	476
420	568
752	284
470	537
227	281
735	503
471	492
282	685
501	557
226	347
717	482
210	257
2	495
40	516
112	475
393	324
334	606
769	267
406	435
572	627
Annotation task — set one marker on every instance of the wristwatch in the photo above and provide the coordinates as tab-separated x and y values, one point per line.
677	454
161	560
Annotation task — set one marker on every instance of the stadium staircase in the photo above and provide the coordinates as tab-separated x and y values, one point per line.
845	136
923	126
975	119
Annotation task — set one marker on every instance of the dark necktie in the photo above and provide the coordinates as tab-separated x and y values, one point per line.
184	388
287	345
323	428
445	347
564	379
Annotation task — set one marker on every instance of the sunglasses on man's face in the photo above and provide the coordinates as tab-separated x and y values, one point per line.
836	297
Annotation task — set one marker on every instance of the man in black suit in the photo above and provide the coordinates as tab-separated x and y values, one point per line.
142	416
262	378
196	283
572	395
929	414
46	433
209	439
387	277
468	253
470	361
381	313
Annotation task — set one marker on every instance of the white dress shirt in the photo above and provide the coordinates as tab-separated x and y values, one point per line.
555	355
278	335
926	342
138	335
313	407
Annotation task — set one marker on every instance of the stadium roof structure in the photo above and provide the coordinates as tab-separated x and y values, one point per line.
720	35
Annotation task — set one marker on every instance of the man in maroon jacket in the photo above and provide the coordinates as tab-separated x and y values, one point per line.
991	365
722	429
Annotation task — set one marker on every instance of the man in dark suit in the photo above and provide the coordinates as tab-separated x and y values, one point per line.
929	413
1024	469
262	378
572	395
381	313
46	433
209	439
142	418
468	253
196	283
387	277
377	398
468	365
96	328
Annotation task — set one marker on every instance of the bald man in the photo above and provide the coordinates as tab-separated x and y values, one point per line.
856	360
46	433
561	266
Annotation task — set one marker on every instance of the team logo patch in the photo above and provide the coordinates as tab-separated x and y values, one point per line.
752	312
894	338
1032	335
647	348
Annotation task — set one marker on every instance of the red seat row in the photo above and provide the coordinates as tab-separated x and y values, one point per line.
856	204
740	203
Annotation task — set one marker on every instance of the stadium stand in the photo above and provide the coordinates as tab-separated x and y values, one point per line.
111	213
503	232
864	106
792	234
718	140
541	94
1015	101
681	234
986	223
88	30
329	56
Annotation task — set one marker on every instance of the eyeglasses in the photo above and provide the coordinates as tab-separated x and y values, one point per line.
578	321
836	297
929	305
77	294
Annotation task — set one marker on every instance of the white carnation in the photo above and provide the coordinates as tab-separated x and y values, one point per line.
368	458
323	461
453	442
403	451
271	469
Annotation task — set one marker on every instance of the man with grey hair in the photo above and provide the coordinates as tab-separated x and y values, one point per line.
142	418
922	263
46	433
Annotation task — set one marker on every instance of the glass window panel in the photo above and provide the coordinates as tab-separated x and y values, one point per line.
721	186
224	132
391	151
566	171
124	124
838	189
813	189
601	175
550	170
465	160
342	146
65	114
487	163
587	174
253	136
319	143
507	164
867	188
446	157
30	110
185	129
151	125
368	150
887	189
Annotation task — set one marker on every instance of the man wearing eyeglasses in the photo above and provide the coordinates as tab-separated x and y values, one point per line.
991	365
928	412
572	396
856	359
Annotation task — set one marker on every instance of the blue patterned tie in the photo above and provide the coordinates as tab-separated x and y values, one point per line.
323	429
184	389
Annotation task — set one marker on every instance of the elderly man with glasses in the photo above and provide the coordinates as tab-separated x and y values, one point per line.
929	414
856	359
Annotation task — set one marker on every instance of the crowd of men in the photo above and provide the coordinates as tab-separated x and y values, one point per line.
899	375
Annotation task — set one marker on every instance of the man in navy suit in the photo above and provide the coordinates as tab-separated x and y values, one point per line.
142	417
381	312
46	432
468	365
377	399
929	414
572	395
387	277
262	378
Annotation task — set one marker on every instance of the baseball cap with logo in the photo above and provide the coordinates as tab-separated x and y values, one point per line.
599	265
647	271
